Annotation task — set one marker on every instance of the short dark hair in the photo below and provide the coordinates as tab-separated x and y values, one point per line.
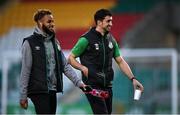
40	13
101	14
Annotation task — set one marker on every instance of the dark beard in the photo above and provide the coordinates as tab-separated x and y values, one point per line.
47	31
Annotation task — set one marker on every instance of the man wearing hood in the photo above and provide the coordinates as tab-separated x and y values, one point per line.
43	63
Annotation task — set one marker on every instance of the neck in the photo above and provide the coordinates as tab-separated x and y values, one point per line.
100	30
42	32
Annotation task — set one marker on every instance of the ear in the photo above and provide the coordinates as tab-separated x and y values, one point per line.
40	23
99	22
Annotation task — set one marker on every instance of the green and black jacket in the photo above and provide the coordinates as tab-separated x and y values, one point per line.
96	53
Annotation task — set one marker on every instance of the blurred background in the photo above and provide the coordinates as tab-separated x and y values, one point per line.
147	31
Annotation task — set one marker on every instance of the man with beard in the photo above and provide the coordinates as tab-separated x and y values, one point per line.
43	63
96	48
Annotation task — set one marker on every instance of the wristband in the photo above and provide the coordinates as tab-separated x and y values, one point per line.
132	78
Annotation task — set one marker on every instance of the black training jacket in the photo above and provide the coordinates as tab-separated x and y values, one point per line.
98	58
38	76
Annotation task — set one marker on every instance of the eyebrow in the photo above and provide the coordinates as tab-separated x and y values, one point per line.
49	21
109	20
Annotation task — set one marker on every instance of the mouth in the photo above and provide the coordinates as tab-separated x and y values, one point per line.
51	28
109	27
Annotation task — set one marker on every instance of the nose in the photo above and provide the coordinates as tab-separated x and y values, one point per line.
110	23
53	24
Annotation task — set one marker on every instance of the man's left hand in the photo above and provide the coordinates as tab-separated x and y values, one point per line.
137	85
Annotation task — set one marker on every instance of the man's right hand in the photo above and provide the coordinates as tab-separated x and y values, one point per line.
84	69
87	88
24	103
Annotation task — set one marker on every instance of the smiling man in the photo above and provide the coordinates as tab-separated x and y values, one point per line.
96	49
43	63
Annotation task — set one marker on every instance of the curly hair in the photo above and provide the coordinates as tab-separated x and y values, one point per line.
101	14
40	13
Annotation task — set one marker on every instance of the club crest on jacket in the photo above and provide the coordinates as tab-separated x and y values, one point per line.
110	45
37	47
96	46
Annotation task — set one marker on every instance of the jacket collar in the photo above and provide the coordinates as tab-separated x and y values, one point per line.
41	34
93	29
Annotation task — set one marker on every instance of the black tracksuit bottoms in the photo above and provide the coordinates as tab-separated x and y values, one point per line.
44	103
101	105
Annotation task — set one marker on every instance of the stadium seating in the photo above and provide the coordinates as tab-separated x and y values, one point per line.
122	23
70	16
